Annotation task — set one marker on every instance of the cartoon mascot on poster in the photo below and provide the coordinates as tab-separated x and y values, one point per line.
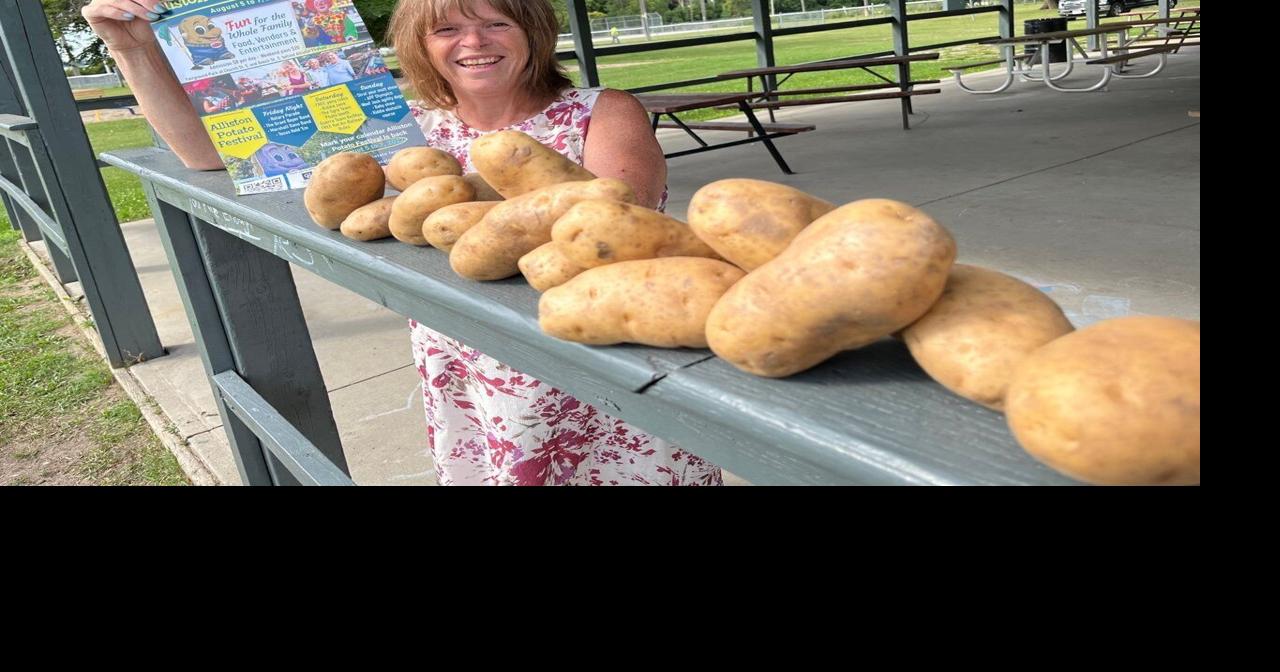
203	41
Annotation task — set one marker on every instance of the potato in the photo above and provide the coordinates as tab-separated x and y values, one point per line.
491	250
415	204
658	302
514	163
749	222
340	184
1116	403
857	274
595	233
369	222
443	227
414	163
484	192
981	328
546	267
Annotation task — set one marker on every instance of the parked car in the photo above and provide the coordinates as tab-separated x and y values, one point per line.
1076	8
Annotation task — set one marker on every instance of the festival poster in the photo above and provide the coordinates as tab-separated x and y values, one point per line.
282	84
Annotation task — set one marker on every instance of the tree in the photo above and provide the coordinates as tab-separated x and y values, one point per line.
376	15
68	26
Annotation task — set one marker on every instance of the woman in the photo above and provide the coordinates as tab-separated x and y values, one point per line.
292	80
480	66
486	66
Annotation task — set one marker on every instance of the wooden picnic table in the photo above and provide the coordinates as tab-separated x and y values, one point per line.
870	416
659	105
1184	13
839	64
670	105
1185	23
770	85
1060	35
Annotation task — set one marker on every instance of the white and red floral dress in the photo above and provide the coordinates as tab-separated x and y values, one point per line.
488	424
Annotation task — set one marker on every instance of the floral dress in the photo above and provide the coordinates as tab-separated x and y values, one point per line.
488	424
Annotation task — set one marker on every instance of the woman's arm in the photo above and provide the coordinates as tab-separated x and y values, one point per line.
620	143
127	33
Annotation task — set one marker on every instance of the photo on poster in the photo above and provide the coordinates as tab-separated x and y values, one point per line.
329	22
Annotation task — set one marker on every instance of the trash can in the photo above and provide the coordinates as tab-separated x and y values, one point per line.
1057	52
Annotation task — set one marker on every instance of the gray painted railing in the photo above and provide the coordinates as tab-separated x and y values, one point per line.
54	192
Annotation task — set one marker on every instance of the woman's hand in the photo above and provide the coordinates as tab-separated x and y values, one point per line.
124	25
125	28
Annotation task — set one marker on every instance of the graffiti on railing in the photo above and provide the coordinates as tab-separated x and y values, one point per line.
276	244
230	223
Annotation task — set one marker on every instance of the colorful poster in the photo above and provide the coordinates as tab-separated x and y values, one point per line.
282	84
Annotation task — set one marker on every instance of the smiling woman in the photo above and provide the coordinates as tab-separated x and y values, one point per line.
437	36
481	67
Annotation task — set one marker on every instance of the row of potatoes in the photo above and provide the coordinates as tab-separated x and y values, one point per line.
776	281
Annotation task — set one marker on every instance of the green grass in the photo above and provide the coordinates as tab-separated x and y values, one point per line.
40	376
124	189
53	386
112	429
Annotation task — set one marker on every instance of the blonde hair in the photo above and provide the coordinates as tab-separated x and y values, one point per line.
543	76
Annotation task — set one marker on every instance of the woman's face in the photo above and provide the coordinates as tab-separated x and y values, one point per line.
478	56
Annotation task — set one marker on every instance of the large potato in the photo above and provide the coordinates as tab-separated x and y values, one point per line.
981	328
658	302
443	227
1116	403
857	274
340	184
749	222
414	163
369	222
546	267
514	163
415	204
484	192
595	233
491	250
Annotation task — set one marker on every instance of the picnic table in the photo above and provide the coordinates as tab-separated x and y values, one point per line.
770	85
669	105
1127	49
1182	24
1185	13
767	97
869	416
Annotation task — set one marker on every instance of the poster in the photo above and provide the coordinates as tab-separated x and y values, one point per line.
282	84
